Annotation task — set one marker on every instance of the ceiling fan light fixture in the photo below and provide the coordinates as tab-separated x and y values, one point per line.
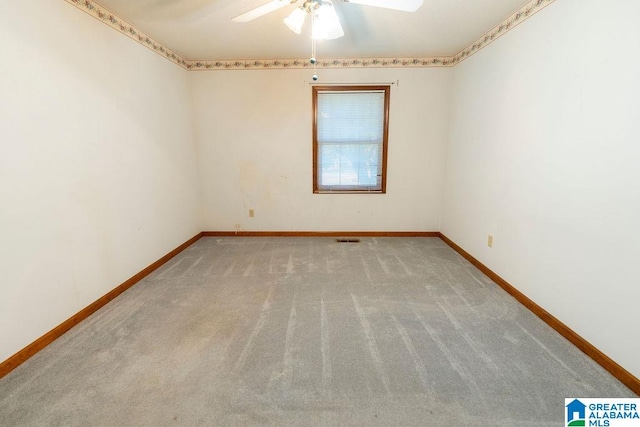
326	24
296	19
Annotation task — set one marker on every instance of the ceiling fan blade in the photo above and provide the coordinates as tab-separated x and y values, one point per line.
403	5
261	10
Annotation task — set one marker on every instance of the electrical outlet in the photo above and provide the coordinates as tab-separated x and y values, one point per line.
490	241
251	213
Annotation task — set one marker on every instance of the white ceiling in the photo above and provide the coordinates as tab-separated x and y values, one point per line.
203	30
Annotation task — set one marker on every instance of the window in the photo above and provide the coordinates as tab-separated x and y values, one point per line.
350	132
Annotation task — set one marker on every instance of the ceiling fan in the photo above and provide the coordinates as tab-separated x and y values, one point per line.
326	25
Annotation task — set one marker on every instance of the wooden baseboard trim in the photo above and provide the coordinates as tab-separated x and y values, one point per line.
585	346
23	355
321	234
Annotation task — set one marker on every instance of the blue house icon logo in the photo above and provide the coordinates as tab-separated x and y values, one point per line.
576	413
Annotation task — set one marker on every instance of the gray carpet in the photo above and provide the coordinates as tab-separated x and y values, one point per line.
307	331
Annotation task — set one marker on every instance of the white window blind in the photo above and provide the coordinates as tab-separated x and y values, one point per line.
350	136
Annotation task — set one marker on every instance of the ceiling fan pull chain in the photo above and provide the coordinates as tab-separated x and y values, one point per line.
313	60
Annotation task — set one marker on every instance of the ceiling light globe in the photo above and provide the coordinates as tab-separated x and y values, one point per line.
326	24
295	20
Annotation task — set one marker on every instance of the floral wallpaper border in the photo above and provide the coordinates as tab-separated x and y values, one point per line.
98	12
322	63
119	24
501	29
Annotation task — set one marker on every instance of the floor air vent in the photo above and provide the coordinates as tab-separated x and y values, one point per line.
348	240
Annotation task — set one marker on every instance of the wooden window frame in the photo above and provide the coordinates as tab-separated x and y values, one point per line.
385	137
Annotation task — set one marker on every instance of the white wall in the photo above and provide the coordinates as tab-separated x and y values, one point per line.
544	154
253	130
97	164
